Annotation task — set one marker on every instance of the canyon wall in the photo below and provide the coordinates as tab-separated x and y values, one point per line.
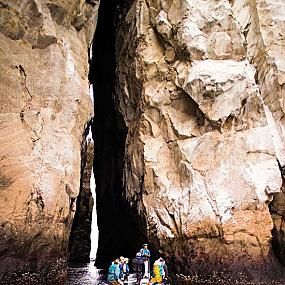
262	23
44	111
190	113
200	86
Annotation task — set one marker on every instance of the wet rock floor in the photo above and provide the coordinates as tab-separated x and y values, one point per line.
83	274
88	274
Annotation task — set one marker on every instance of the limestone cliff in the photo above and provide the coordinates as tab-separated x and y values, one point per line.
200	85
190	113
44	110
263	25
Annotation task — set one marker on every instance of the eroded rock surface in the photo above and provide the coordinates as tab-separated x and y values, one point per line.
263	25
44	110
199	85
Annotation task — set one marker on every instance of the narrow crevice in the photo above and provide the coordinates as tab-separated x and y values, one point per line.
277	211
121	228
79	241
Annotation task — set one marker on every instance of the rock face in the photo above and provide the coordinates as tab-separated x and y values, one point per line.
198	136
44	111
200	85
263	25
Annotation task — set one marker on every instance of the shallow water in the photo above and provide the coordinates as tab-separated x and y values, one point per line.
88	274
83	274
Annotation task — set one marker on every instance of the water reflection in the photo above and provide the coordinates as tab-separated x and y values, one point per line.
83	274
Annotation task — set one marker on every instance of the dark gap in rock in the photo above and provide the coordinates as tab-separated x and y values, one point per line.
79	240
277	211
121	228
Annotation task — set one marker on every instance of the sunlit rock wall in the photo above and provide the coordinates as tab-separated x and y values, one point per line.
44	110
263	24
201	151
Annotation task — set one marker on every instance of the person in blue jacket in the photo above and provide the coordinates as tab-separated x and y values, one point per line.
145	255
124	267
114	273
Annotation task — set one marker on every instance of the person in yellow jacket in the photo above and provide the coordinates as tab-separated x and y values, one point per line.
158	273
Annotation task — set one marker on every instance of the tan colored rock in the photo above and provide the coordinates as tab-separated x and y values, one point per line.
220	87
263	23
44	110
169	54
201	142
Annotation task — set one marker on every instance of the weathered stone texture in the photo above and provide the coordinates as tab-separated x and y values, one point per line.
44	110
202	148
263	24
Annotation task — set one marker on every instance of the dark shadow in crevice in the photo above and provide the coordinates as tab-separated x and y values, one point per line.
121	229
79	241
277	211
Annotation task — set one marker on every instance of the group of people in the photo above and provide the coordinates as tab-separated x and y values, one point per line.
119	268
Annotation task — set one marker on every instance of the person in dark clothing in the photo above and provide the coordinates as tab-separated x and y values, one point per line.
138	266
165	269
